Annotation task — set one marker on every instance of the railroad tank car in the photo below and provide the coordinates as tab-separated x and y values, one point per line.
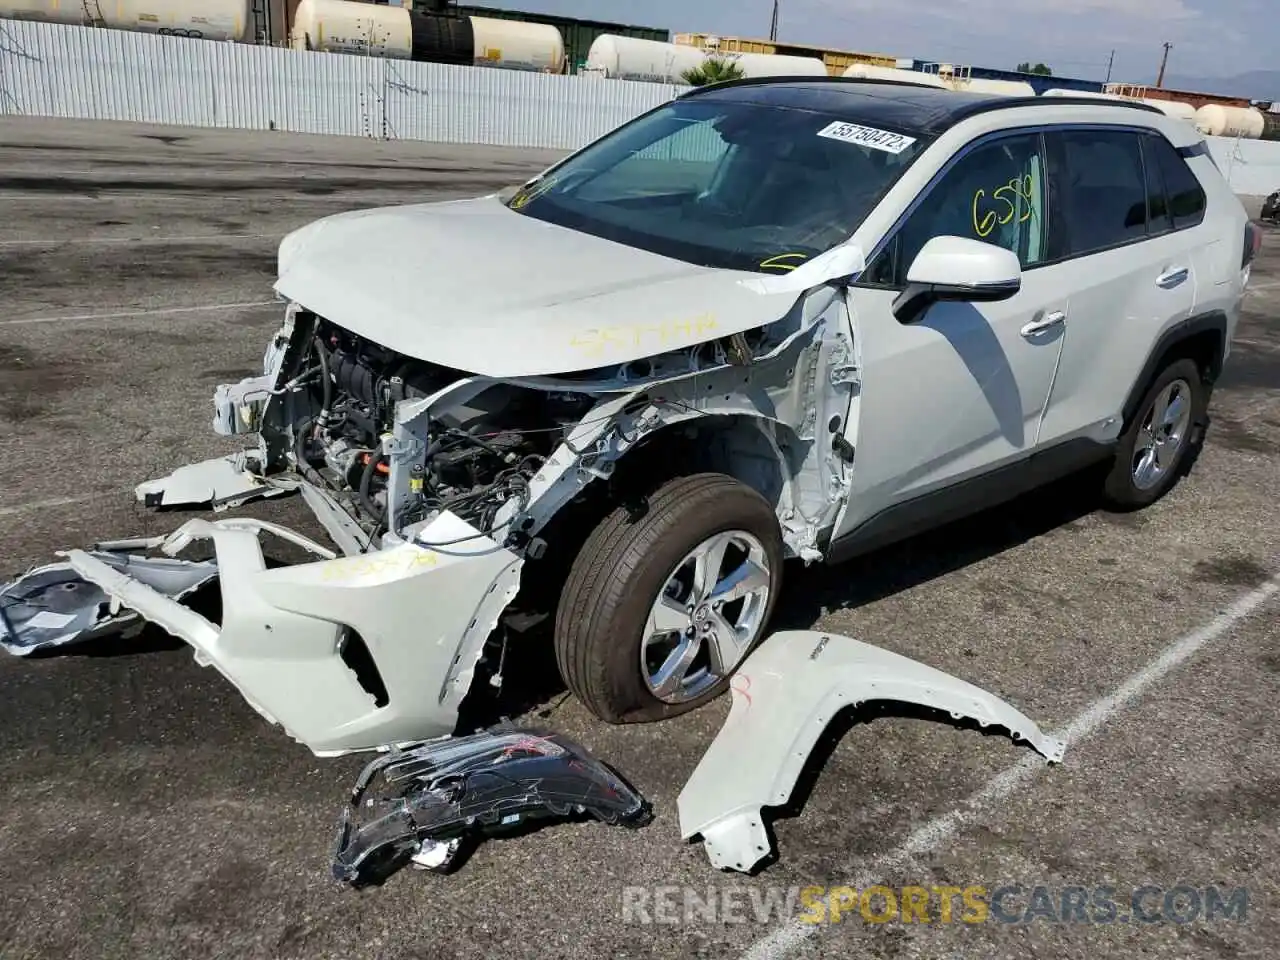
1173	108
1215	120
342	26
632	58
778	65
517	45
208	20
870	71
1000	88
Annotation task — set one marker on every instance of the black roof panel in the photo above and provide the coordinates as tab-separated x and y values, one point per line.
906	107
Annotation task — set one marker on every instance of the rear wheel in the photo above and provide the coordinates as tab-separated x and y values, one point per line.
1155	447
661	607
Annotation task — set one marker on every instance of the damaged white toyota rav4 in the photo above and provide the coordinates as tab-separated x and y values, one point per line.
767	320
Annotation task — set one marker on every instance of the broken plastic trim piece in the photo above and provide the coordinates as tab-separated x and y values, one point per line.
784	695
838	263
53	606
222	483
434	796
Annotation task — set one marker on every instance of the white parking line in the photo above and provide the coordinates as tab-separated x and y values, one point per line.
125	314
985	802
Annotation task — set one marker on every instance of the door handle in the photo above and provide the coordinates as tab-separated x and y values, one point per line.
1047	322
1172	278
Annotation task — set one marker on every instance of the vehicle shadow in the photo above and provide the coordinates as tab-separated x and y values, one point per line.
809	594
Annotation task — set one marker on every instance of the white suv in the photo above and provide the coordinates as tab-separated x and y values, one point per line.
770	319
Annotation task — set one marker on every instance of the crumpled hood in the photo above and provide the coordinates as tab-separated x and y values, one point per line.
475	286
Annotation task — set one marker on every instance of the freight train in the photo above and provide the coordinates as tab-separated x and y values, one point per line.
440	34
334	26
206	19
631	58
340	26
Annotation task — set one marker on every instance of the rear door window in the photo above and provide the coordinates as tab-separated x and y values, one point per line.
1103	189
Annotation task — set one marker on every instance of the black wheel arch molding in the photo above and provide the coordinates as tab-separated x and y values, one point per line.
1213	322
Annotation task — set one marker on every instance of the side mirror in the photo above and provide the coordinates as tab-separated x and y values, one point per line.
957	269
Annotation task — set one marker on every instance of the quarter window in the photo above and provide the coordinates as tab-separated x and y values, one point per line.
1186	195
995	194
1104	189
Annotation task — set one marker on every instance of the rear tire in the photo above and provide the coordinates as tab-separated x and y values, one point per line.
1162	439
611	631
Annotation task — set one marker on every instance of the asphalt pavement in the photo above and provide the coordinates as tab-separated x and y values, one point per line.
148	811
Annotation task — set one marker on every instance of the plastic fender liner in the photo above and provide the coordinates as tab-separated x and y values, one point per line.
784	695
51	606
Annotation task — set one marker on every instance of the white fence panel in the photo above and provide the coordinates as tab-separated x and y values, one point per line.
1252	167
456	104
60	70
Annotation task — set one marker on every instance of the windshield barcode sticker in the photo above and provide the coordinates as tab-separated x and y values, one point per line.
867	137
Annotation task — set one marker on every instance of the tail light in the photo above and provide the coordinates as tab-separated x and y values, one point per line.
1252	243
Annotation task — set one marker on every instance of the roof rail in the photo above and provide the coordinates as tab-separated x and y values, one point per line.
983	106
803	78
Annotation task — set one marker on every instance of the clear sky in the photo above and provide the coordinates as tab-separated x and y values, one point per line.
1074	37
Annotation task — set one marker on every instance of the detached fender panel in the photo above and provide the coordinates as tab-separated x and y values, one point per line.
784	695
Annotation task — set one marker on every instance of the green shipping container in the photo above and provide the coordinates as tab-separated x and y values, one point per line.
578	34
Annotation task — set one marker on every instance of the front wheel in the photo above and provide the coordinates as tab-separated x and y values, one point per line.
660	608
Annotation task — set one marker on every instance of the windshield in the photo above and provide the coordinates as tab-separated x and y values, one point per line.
743	186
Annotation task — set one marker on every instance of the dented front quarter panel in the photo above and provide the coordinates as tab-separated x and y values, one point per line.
422	611
784	696
793	390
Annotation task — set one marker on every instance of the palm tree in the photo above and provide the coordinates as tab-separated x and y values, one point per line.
712	70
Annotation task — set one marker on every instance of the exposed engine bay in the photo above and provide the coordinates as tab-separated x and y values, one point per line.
480	455
439	488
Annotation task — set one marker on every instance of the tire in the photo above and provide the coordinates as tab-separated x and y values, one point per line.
1125	488
620	574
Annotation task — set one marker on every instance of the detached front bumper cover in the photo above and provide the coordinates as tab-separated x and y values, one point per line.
784	695
298	641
